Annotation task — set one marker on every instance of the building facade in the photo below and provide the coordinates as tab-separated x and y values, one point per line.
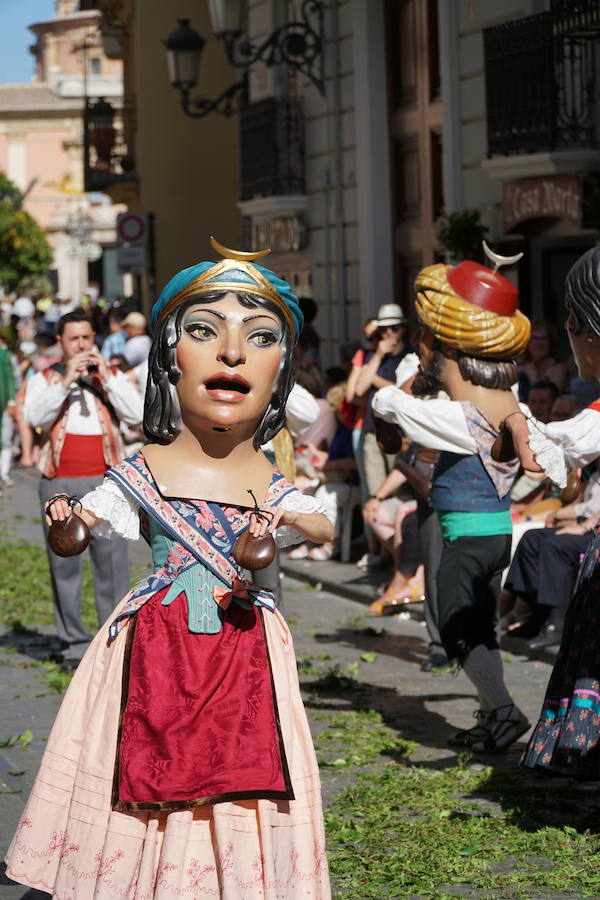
42	145
523	86
344	167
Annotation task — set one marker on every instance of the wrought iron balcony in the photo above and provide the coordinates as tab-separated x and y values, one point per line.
541	80
271	148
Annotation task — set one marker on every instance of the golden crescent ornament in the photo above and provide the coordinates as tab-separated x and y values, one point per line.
241	255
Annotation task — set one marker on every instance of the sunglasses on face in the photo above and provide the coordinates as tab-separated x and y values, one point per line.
392	328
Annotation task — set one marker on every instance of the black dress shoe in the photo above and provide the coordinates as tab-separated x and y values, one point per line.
549	636
435	660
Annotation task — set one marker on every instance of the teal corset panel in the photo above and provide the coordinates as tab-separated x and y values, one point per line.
205	616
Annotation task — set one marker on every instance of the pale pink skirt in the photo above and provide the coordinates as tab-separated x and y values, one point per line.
70	843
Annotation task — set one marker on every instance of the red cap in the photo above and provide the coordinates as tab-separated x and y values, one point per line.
484	288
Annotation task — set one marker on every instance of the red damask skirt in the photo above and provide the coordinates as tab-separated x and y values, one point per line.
199	721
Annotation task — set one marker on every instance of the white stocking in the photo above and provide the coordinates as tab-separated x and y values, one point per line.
483	668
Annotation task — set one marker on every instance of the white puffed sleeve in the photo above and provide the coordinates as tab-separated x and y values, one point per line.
286	535
119	513
574	442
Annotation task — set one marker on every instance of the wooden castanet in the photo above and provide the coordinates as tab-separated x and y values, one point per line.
388	436
503	448
69	537
254	553
570	492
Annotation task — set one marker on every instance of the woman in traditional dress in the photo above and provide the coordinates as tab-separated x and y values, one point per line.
566	739
181	763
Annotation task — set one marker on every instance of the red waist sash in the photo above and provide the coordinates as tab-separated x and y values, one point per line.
82	456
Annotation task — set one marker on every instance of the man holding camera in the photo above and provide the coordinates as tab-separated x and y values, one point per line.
78	406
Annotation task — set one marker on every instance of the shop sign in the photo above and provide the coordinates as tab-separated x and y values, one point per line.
284	235
551	197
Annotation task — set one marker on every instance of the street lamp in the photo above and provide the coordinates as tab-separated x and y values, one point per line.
297	44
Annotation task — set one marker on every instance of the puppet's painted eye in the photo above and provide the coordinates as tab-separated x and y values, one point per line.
200	331
264	338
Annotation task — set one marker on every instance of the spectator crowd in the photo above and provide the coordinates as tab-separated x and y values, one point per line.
377	500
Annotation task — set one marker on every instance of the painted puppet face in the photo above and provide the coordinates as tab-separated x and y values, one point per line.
586	350
230	357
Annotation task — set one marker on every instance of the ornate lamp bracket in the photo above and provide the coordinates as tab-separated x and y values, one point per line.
297	44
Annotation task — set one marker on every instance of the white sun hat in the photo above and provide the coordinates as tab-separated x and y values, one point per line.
390	314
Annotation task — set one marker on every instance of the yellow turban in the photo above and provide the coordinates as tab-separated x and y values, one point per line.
463	326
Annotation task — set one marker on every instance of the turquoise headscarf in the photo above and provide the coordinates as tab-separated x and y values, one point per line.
186	276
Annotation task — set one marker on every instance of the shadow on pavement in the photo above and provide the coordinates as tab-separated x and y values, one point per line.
32	643
407	647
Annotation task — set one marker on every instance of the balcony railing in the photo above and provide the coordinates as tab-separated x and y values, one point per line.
271	149
540	80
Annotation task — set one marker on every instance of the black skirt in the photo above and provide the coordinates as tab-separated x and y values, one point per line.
566	739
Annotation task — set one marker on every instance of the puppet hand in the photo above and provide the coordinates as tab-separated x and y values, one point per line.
515	429
57	509
268	518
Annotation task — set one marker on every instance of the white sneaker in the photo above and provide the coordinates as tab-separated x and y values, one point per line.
8	482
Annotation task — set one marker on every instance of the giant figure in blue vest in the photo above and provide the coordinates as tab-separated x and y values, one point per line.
471	333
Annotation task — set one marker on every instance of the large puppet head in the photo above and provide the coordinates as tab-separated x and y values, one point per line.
254	287
583	305
471	313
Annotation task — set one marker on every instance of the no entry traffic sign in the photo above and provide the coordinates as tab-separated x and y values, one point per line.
132	228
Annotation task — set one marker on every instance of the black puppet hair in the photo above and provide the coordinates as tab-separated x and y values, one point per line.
583	292
162	413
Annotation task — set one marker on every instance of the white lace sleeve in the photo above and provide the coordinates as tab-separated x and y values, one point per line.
573	443
286	535
118	512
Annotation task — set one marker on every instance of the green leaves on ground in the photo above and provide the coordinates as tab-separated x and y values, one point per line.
356	737
18	740
413	831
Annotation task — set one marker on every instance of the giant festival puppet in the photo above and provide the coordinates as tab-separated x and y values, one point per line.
566	739
471	333
181	762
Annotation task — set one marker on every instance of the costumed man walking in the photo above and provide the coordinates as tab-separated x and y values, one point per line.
8	390
78	405
471	333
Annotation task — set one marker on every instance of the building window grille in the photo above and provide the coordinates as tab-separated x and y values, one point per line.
541	80
271	148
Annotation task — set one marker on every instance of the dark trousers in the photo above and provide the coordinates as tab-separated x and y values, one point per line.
110	571
468	584
544	566
431	548
410	556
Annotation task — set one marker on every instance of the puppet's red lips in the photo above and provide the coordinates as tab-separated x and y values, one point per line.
224	382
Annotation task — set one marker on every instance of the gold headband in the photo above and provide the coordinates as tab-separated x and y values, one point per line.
235	261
